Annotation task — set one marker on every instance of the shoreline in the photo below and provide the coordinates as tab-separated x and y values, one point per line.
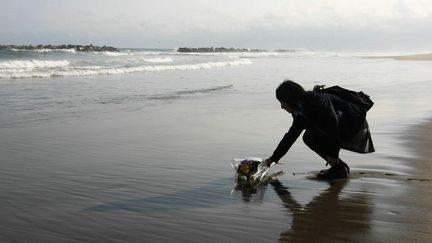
414	57
79	144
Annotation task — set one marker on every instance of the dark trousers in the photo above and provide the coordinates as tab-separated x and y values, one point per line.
318	141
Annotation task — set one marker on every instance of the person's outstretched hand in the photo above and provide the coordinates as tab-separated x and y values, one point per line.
267	162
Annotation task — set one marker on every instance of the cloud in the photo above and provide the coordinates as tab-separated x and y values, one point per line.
325	24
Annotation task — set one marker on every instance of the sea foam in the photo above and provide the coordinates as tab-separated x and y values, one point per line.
43	69
157	60
32	64
114	54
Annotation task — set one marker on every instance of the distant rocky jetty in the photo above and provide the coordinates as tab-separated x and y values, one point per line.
216	49
83	48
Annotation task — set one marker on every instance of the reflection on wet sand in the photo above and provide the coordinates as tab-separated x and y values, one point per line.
329	217
254	190
213	194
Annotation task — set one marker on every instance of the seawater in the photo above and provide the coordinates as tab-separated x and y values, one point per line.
64	62
136	145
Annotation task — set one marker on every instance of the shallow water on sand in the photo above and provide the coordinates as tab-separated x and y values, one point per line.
117	166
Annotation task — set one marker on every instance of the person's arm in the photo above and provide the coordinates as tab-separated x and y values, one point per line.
288	139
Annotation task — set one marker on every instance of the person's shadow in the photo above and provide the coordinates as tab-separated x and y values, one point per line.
329	217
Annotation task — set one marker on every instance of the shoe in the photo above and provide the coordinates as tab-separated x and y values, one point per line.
344	165
339	171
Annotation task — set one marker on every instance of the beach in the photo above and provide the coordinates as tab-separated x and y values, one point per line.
413	57
421	185
136	147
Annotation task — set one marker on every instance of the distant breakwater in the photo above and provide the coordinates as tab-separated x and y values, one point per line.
217	49
83	48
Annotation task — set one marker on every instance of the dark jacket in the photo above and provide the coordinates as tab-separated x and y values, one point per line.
338	119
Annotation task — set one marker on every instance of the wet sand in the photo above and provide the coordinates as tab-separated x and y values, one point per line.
129	204
420	197
133	172
370	206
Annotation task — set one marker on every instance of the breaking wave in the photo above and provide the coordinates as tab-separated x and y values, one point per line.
113	54
32	64
44	50
44	69
157	60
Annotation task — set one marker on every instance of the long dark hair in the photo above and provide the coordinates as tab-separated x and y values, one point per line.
291	93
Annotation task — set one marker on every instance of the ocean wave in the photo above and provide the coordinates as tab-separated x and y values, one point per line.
113	54
26	75
32	64
157	60
25	69
66	50
163	96
44	50
252	54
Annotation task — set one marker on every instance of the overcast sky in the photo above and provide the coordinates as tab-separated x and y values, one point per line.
389	25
